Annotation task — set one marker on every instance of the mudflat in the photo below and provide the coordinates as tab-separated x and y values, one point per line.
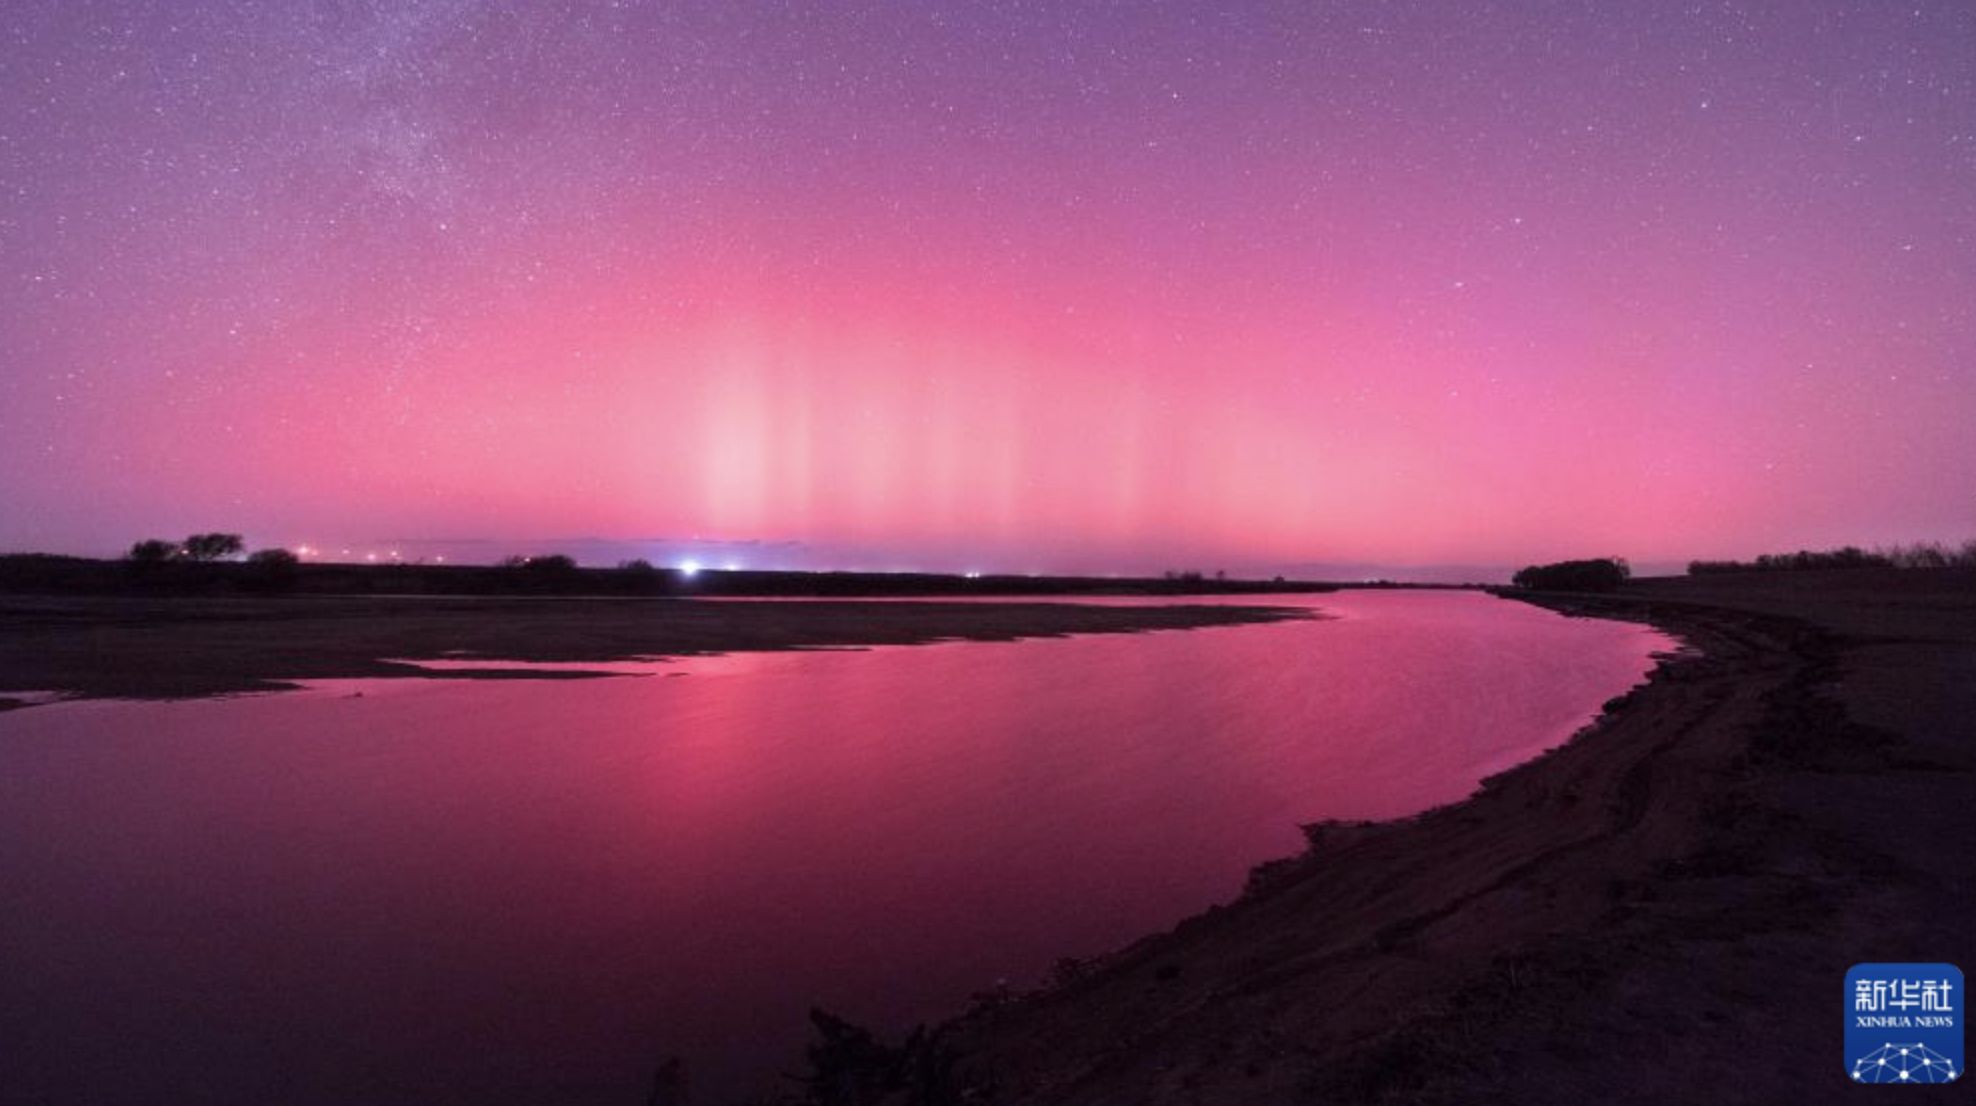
179	647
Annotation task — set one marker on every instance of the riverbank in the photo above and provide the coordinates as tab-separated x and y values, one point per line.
50	574
1662	910
184	647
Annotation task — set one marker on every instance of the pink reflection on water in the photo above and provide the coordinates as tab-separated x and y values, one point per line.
515	891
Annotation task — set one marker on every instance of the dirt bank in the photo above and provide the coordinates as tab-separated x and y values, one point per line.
1663	910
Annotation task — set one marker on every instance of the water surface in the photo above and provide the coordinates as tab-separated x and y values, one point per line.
515	891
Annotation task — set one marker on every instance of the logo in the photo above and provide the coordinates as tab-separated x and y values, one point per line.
1904	1023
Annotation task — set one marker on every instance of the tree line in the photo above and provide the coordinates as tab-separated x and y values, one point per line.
1609	573
1916	555
204	549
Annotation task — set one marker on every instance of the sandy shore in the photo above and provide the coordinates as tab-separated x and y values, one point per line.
180	647
1661	911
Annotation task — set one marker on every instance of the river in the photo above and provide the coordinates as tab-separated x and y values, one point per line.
452	891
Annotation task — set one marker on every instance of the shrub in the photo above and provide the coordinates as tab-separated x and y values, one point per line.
1850	556
547	562
152	551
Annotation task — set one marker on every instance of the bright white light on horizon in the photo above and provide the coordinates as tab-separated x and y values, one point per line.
689	568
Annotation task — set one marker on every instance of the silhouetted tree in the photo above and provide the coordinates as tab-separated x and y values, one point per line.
1599	574
152	551
1921	555
547	562
1850	556
211	547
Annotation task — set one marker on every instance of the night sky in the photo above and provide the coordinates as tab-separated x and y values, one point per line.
1025	286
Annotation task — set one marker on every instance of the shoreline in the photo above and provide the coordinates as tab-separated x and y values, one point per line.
1618	919
88	647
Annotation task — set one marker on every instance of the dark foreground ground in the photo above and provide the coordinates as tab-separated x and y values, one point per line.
1662	911
175	647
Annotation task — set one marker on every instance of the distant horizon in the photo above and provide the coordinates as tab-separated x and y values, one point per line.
696	554
743	556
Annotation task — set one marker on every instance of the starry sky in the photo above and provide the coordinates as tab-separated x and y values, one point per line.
1041	286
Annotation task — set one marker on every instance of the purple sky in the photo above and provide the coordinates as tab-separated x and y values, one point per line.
1051	286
